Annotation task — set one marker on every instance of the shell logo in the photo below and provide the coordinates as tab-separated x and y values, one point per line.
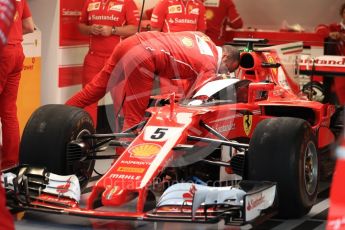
271	60
209	14
145	150
188	42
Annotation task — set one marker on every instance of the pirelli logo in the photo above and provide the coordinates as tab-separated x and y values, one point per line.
130	169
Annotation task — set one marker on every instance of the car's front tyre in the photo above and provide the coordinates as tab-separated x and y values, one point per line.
283	150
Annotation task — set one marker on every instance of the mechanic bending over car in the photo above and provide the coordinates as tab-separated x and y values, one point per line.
97	21
189	57
176	16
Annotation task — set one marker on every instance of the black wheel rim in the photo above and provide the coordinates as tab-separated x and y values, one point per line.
310	168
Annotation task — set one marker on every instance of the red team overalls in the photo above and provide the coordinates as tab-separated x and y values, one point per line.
189	56
220	13
7	11
111	13
11	65
177	15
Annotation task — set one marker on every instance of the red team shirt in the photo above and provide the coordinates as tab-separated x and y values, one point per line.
185	49
173	55
339	27
177	15
220	13
110	13
16	33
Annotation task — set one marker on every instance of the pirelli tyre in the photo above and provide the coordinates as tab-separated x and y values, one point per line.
283	150
45	138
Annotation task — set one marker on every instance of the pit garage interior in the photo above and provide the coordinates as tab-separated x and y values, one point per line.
52	74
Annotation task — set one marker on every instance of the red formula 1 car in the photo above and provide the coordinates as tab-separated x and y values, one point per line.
238	149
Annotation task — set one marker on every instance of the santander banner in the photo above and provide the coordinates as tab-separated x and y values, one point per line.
73	46
70	11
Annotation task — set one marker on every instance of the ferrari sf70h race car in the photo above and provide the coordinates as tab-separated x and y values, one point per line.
239	149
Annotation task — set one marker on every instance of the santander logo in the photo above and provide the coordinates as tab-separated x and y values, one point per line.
255	202
68	12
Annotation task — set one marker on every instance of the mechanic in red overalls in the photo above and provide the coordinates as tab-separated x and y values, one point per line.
336	31
11	65
7	11
107	22
178	15
189	56
219	14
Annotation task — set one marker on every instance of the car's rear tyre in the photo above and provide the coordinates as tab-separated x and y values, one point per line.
45	138
283	150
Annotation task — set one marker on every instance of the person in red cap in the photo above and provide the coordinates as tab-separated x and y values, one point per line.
7	11
11	65
188	56
336	31
106	22
178	15
219	14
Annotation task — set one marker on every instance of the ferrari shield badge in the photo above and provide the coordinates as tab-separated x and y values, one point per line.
247	123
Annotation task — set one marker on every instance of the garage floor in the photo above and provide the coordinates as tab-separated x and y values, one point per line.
316	219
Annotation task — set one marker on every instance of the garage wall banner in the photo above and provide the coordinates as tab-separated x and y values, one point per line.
30	82
70	11
73	46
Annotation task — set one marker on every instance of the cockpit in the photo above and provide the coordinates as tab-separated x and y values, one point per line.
222	91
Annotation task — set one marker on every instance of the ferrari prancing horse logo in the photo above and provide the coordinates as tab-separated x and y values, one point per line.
247	123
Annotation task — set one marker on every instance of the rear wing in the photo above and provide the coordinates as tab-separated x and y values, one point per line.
326	65
288	55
